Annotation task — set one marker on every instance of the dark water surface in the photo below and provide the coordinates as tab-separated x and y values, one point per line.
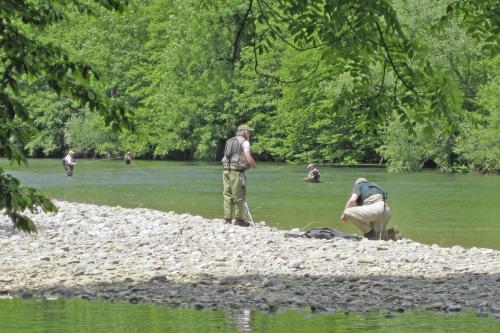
17	315
429	207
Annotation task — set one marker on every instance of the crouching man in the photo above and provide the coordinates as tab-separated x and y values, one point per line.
367	209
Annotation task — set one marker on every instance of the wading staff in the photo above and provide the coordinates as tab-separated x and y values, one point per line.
382	223
245	202
384	196
249	214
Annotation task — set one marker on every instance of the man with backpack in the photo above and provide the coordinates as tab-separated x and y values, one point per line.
237	158
368	210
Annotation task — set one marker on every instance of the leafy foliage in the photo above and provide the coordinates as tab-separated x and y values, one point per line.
27	59
481	19
89	137
14	200
469	68
479	143
329	81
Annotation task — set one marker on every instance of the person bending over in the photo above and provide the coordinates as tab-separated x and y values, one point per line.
367	209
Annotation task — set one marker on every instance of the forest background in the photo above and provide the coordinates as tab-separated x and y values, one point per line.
189	81
403	83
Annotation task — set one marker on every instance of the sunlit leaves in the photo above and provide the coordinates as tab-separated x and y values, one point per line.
14	200
481	19
25	59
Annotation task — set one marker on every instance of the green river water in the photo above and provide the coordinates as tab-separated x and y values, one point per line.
19	315
428	207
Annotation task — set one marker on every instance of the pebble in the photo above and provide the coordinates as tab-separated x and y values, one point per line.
147	256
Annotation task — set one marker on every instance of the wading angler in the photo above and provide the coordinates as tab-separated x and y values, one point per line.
237	159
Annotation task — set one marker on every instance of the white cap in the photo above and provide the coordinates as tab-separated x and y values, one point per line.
360	180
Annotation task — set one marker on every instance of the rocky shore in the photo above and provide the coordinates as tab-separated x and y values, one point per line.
143	255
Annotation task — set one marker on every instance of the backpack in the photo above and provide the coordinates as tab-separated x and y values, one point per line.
366	186
323	233
232	148
232	153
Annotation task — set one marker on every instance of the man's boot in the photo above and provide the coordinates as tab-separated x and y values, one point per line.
371	235
241	223
391	234
228	220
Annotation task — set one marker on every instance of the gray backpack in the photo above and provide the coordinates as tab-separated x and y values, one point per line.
233	154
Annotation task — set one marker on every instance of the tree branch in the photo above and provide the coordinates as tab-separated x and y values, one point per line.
256	66
283	39
391	62
383	79
240	31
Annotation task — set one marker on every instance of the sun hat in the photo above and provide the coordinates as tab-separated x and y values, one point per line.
244	127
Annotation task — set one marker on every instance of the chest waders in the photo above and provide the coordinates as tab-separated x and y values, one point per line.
234	161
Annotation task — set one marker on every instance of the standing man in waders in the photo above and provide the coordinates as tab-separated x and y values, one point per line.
312	175
237	158
69	163
368	210
127	158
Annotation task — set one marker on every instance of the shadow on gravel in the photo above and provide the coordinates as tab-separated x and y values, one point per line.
456	292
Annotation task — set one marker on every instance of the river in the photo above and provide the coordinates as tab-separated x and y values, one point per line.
428	207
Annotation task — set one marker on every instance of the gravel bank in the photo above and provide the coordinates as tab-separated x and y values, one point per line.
143	255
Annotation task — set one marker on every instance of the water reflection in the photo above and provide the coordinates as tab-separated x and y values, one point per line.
240	319
76	315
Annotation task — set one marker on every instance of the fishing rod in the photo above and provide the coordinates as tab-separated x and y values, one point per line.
93	160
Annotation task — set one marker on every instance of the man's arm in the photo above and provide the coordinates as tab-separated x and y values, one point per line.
69	161
350	203
249	158
352	200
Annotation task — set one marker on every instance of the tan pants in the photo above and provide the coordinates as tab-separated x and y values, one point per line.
371	215
234	194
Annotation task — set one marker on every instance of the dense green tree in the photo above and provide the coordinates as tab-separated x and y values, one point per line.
85	134
469	67
320	80
478	144
322	95
355	36
25	59
188	80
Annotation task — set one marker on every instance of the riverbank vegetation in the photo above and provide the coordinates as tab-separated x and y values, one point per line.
397	82
176	67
